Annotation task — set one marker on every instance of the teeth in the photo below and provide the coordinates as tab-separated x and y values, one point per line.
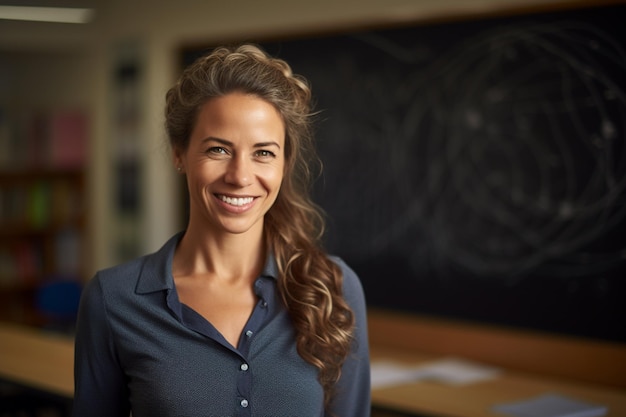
236	201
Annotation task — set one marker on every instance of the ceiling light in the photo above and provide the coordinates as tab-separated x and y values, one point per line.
46	14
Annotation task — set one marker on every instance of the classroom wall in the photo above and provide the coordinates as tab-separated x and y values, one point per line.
84	58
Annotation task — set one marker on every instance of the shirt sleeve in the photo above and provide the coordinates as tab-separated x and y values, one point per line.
353	395
99	382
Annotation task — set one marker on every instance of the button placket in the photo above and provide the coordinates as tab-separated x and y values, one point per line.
255	323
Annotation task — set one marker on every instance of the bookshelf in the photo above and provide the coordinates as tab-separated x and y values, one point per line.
42	207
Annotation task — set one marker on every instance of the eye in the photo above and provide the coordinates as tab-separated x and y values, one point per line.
264	153
217	150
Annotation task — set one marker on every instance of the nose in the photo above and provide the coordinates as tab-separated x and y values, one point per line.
239	172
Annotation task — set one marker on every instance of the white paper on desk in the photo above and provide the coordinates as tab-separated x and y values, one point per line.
454	371
451	371
551	405
386	373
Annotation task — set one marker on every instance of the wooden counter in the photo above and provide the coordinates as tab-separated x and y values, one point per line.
477	399
37	359
44	361
531	364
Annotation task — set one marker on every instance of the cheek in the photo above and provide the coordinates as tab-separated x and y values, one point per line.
271	175
277	179
198	179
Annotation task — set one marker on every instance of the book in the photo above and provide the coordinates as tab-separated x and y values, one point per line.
68	139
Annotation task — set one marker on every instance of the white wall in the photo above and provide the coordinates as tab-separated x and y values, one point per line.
161	28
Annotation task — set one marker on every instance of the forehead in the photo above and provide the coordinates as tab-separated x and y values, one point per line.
241	116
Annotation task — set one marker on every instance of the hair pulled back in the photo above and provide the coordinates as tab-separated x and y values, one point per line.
310	284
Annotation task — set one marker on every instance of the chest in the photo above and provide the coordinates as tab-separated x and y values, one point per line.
227	310
191	374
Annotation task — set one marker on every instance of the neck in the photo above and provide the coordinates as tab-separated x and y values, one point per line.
226	256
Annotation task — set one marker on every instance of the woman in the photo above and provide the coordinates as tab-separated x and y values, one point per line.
243	313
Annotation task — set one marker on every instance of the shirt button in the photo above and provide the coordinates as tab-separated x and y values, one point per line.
249	333
244	367
244	403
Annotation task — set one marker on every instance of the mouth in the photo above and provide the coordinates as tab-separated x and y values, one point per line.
235	201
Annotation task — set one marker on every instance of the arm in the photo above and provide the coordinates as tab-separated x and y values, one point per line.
353	389
100	387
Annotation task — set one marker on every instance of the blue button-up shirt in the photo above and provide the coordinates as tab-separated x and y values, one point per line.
139	349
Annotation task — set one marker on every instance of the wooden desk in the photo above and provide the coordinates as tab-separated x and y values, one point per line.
45	361
477	399
37	359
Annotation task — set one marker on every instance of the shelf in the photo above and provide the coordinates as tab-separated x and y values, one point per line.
42	235
37	173
44	149
24	229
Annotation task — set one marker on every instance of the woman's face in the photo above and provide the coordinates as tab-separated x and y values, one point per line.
234	163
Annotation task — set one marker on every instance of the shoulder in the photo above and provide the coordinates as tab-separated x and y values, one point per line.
352	288
349	276
145	273
131	267
113	281
122	271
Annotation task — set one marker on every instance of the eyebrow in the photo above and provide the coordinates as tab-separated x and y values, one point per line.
229	143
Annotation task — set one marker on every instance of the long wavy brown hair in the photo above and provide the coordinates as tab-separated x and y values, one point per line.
310	284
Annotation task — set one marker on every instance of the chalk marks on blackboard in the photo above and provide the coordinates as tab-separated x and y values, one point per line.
503	156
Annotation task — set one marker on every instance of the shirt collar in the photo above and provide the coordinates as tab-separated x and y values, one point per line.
270	269
156	274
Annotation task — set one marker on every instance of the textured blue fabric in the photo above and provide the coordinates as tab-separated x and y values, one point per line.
138	348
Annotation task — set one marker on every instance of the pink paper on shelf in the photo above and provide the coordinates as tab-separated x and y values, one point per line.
68	139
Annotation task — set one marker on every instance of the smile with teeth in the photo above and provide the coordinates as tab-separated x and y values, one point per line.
238	201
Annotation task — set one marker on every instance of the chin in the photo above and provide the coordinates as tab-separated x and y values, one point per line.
239	228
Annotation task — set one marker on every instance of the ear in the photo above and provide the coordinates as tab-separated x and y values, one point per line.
177	159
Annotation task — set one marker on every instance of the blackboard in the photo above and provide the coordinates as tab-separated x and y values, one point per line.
476	170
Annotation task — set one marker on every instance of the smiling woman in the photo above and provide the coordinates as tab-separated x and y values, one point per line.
243	313
234	164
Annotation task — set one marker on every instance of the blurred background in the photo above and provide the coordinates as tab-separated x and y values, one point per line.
85	174
86	178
